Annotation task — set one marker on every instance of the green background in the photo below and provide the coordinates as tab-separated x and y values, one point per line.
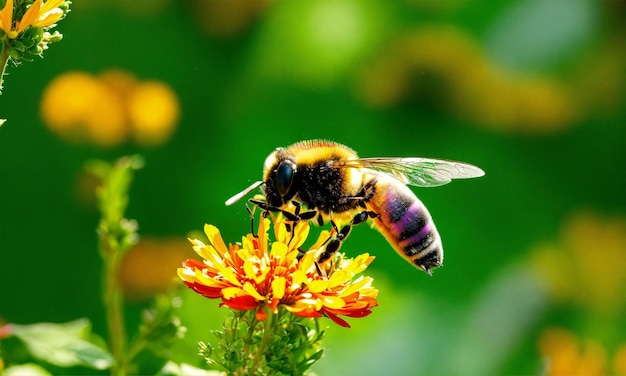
290	75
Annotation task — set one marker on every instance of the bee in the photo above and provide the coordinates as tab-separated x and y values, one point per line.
331	181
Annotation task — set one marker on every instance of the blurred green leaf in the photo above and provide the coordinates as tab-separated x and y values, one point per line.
63	345
527	36
183	369
26	369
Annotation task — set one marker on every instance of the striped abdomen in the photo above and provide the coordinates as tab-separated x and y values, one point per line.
406	224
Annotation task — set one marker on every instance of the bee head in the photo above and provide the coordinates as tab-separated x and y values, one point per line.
279	172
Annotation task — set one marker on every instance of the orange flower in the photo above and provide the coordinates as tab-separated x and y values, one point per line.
257	274
39	14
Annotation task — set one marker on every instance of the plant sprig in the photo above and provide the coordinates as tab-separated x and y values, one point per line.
280	344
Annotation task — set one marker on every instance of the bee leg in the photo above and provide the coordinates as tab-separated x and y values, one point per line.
295	217
251	213
333	245
306	215
319	270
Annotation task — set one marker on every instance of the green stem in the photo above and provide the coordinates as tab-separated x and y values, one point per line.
268	331
4	60
114	312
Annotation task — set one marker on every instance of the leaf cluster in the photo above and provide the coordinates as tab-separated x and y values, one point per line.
282	344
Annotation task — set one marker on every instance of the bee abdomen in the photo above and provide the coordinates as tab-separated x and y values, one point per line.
408	226
417	236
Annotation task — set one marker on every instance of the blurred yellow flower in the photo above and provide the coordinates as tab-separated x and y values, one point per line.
79	107
588	265
153	110
109	109
565	356
149	266
258	274
38	14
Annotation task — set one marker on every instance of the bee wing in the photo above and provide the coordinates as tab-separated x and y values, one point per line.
420	172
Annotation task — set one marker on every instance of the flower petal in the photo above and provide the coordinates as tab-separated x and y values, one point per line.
214	236
249	288
233	292
32	13
242	303
337	319
6	16
278	287
333	302
50	5
47	19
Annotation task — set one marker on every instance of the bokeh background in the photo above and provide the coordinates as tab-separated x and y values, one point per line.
532	91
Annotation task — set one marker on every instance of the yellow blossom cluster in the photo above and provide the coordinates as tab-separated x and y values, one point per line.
565	354
39	14
587	267
260	275
148	267
110	108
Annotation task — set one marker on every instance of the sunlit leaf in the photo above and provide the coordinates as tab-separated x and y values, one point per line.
26	369
63	345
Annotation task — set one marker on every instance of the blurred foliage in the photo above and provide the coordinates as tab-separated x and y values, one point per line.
532	91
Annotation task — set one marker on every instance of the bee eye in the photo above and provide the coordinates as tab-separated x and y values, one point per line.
284	178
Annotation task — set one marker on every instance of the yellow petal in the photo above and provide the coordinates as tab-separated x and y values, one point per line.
213	234
357	285
263	237
278	287
230	276
47	19
251	290
279	250
300	234
307	262
333	302
185	274
32	13
321	239
249	269
318	286
298	278
339	277
6	16
232	292
50	5
307	302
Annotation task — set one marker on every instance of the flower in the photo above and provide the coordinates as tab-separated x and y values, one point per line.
257	274
566	354
587	266
160	256
110	108
39	14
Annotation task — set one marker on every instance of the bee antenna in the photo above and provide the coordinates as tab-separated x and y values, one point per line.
239	195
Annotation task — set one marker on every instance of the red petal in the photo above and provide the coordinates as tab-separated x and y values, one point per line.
209	292
273	304
242	303
336	319
194	264
308	313
260	314
359	312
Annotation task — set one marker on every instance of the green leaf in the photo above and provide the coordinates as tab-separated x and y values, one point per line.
26	369
183	369
63	345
